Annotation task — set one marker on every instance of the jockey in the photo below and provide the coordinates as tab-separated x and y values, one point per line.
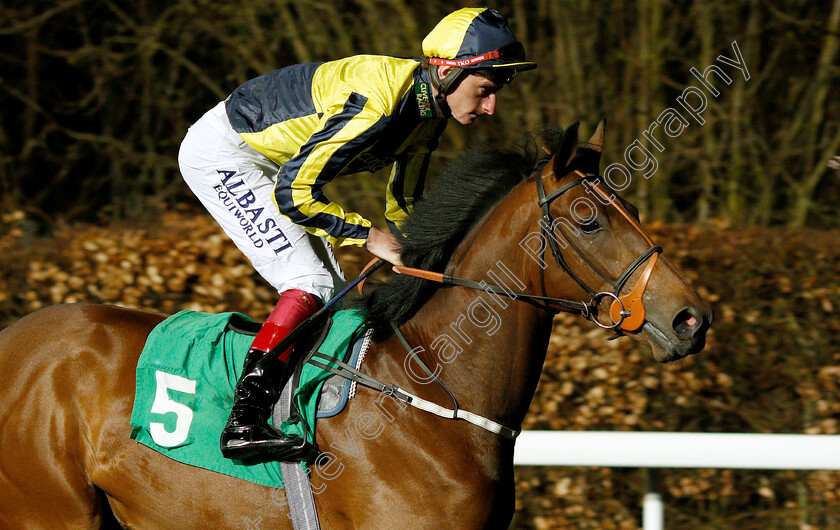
258	160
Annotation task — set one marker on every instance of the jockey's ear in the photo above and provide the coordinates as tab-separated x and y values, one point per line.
568	149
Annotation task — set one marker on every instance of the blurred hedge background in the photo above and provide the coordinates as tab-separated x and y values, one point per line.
771	364
96	96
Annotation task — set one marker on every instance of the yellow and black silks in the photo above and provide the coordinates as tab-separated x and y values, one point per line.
320	120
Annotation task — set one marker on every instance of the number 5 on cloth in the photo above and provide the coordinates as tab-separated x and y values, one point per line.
163	405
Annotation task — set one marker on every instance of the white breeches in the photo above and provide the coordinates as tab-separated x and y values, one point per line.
236	184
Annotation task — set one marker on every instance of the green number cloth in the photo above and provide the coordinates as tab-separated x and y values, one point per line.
185	380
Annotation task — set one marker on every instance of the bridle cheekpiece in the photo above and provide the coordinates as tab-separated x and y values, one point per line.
627	313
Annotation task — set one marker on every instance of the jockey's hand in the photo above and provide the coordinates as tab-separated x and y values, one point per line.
384	245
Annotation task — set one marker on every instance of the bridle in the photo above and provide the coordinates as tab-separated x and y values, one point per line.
627	313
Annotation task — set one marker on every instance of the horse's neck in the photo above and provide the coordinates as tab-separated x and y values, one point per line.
497	366
502	341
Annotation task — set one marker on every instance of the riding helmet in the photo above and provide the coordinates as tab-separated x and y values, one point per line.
474	39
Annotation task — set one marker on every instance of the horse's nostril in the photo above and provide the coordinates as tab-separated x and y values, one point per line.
685	323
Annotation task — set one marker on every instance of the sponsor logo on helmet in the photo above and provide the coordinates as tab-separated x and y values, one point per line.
464	62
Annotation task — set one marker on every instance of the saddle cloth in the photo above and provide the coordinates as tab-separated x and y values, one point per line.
186	375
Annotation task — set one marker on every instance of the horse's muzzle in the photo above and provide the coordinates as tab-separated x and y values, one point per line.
686	337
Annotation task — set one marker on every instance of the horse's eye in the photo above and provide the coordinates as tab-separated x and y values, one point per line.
590	227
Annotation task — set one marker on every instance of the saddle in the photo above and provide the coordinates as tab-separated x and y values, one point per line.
336	389
189	368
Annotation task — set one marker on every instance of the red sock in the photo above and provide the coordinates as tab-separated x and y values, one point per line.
294	307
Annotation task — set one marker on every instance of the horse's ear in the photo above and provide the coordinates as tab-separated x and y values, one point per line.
596	143
568	149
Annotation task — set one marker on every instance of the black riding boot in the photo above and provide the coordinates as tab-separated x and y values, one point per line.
247	431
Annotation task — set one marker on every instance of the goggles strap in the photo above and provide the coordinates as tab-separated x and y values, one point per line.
469	61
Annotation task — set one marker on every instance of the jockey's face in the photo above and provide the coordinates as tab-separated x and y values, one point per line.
475	95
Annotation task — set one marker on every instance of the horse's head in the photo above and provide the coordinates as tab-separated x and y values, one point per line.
594	250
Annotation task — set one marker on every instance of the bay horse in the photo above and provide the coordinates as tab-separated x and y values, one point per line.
69	371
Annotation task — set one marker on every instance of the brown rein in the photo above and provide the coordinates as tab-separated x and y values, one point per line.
627	312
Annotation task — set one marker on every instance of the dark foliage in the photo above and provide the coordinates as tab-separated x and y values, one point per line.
97	96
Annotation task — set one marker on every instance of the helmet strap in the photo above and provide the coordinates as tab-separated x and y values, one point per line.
445	85
443	106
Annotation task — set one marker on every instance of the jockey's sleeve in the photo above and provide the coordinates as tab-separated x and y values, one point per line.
408	175
344	131
406	183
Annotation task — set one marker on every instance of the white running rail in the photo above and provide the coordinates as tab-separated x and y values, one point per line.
676	450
